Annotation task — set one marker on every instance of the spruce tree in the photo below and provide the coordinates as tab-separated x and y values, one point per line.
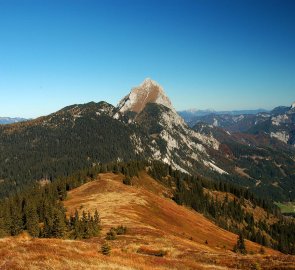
59	225
32	220
240	246
16	222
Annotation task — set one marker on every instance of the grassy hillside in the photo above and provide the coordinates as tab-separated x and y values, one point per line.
287	208
160	234
145	209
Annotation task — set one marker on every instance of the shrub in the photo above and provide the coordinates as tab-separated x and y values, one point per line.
152	252
120	230
127	181
257	266
262	250
112	234
105	249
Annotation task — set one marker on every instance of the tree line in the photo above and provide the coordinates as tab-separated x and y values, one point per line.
39	209
229	214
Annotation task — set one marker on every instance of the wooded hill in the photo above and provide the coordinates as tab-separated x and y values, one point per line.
79	136
40	211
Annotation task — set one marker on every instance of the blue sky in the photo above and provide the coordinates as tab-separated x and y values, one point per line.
206	54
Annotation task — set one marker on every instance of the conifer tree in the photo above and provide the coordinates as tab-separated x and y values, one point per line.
240	246
16	223
59	225
32	220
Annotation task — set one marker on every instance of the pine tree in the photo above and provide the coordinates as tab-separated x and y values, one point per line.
16	223
5	220
96	223
32	220
85	225
59	225
47	219
240	246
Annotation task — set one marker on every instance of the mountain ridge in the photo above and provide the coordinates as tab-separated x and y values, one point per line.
83	134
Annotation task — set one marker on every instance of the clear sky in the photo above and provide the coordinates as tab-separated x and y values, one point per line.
206	54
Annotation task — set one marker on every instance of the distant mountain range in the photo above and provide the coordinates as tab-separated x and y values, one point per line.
279	123
189	115
145	126
9	120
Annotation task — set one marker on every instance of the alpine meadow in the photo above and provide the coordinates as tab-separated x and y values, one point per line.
194	168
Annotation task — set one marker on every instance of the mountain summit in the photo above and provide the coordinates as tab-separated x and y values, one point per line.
148	92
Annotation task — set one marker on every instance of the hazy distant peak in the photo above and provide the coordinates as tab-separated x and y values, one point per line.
148	91
10	120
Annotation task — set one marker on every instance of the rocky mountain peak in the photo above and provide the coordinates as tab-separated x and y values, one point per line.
293	105
148	91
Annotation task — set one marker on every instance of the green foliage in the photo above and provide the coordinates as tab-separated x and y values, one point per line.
257	266
85	227
240	247
111	234
105	249
32	219
39	210
288	208
120	230
228	214
127	181
58	229
62	145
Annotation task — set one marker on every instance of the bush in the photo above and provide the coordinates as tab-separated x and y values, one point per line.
105	249
262	250
152	252
120	230
257	266
112	234
127	181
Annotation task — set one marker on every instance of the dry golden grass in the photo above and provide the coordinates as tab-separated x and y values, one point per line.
156	226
